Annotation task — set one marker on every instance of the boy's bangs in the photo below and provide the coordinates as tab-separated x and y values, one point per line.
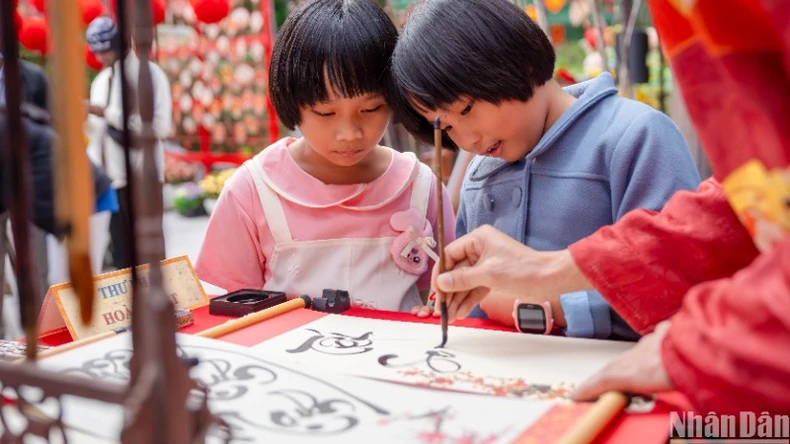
423	80
481	50
440	58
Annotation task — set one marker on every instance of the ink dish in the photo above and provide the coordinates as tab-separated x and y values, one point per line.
243	302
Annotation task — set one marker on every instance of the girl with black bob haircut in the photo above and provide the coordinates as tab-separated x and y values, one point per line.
347	44
553	165
331	209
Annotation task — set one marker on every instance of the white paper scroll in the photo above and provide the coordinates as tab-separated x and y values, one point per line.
474	360
263	401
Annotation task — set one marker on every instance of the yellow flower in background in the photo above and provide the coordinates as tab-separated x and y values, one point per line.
227	73
213	184
531	12
643	95
554	6
759	197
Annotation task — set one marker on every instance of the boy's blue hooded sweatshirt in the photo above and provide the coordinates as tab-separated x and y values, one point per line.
605	156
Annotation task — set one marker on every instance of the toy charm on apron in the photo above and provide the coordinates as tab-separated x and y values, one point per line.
379	273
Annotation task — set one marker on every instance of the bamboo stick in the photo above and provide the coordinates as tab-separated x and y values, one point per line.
590	426
254	318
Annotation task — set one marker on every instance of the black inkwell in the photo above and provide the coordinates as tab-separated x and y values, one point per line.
243	302
247	298
332	301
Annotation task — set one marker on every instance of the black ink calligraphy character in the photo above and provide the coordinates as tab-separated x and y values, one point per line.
437	360
336	344
306	414
114	365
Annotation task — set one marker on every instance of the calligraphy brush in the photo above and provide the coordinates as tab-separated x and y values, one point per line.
437	166
74	193
15	164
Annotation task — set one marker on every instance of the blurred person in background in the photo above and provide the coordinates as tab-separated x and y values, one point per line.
105	121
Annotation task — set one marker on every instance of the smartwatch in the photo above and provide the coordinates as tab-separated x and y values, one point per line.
533	318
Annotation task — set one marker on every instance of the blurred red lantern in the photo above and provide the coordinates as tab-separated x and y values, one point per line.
91	60
591	35
34	34
210	11
157	10
91	9
41	5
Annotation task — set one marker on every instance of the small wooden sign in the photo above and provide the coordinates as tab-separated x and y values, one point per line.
113	303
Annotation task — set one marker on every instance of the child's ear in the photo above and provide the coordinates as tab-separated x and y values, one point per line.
402	220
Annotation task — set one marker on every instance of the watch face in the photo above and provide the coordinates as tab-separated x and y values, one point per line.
531	318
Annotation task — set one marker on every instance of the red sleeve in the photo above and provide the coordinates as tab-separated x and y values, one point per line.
644	264
727	349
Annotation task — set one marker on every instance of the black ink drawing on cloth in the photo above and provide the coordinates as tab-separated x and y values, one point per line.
437	360
336	344
112	367
342	344
434	368
251	394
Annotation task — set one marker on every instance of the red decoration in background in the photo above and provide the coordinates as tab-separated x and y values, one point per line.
91	9
91	60
210	11
591	35
158	8
565	75
41	5
34	34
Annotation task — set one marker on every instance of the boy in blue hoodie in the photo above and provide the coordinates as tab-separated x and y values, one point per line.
553	165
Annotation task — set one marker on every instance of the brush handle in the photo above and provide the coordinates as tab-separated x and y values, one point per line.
437	167
74	193
254	318
600	415
79	343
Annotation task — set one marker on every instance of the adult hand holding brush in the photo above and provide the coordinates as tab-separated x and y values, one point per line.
487	260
